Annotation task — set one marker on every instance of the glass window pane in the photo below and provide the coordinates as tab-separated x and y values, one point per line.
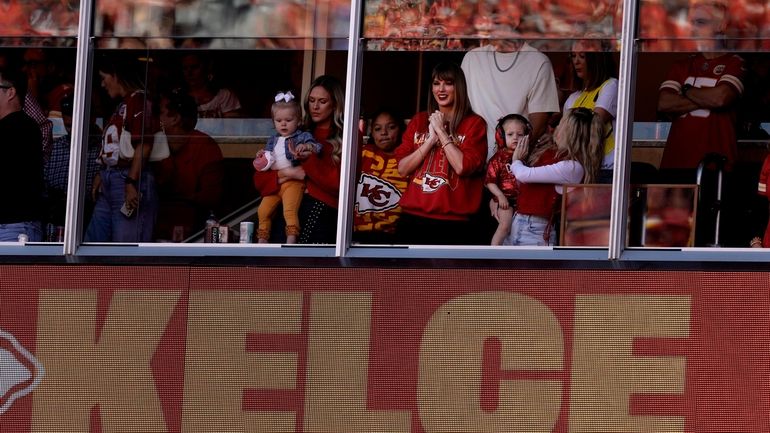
515	62
204	106
292	24
37	20
700	116
701	25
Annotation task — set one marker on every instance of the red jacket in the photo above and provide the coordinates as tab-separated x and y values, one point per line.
499	174
539	199
322	174
435	190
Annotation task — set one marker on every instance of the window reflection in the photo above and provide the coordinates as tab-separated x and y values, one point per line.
290	24
666	25
212	139
43	18
393	25
676	139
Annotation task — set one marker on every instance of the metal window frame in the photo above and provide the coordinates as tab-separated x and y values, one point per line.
73	247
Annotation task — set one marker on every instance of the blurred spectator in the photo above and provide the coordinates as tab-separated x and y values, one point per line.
454	23
124	190
281	24
40	76
21	168
746	18
14	19
594	70
54	17
212	100
57	167
190	181
655	26
35	111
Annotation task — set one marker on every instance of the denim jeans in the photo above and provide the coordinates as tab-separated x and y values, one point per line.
10	232
108	224
529	230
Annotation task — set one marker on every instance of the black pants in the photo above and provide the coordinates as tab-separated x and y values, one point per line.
318	223
416	230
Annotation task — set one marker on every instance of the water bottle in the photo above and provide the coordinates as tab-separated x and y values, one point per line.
212	229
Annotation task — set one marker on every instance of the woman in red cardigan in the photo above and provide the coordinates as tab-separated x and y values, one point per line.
321	172
442	153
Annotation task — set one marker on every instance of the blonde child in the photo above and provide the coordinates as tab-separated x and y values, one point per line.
281	152
573	155
499	179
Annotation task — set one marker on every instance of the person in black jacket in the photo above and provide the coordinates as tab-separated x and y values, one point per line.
21	167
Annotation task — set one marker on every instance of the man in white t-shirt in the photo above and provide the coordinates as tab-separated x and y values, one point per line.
504	77
510	76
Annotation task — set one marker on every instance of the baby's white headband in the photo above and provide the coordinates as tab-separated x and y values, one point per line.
284	96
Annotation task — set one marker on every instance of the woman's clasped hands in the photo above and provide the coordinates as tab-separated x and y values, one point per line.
437	127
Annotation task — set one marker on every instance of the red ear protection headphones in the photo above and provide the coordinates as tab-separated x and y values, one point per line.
500	132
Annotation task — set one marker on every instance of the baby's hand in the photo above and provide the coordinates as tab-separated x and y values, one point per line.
502	202
303	150
263	160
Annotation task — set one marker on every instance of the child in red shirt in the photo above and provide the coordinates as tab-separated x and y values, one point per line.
499	180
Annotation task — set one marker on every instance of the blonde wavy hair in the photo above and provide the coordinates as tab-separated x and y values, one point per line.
580	137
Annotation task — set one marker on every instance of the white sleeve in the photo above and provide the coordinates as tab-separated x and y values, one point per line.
608	97
560	173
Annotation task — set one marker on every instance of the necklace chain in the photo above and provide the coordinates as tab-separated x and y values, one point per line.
497	65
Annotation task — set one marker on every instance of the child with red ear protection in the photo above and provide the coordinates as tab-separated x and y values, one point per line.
510	131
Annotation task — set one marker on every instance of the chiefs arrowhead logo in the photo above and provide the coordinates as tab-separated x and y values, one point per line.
375	195
432	183
20	372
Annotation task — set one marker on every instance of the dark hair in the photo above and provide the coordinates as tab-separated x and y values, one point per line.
128	70
462	107
600	65
399	119
17	79
181	103
207	67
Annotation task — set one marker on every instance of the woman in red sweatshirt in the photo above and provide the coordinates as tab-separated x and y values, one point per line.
443	152
323	107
